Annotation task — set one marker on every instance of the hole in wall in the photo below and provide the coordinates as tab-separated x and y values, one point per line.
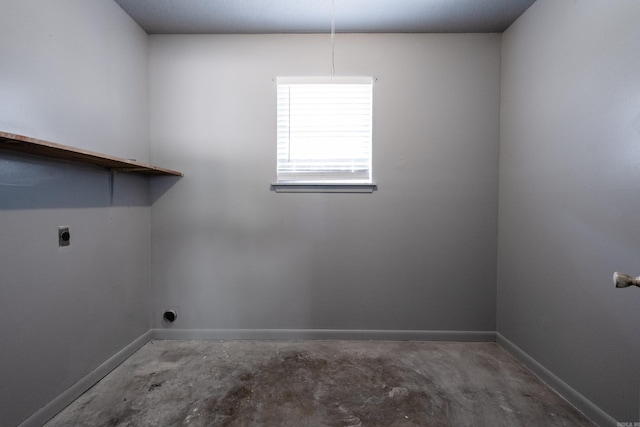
170	316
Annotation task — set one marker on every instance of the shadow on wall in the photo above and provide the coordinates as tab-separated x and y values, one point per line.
161	184
32	182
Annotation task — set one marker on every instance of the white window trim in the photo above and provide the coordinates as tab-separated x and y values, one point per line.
290	187
284	186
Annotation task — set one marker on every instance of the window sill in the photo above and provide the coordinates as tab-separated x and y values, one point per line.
299	187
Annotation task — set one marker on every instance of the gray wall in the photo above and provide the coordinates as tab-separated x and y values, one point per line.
570	195
73	72
418	254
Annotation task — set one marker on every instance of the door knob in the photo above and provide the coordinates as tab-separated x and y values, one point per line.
623	280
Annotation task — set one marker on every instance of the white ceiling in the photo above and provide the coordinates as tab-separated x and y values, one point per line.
314	16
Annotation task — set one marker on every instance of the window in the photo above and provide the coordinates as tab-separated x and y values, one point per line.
324	132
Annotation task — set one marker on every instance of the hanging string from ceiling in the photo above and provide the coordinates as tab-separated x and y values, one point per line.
333	36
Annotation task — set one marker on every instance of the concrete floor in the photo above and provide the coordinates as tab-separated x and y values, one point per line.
320	383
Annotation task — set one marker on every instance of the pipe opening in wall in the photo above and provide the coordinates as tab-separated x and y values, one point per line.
170	316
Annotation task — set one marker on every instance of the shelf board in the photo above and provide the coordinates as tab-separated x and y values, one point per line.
25	144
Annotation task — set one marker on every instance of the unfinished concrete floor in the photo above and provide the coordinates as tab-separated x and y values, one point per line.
320	383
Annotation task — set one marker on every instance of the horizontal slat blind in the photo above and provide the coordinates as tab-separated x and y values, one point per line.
324	131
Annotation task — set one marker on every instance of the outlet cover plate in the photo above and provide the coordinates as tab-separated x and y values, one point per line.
64	237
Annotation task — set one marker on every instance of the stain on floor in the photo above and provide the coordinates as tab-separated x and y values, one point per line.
320	383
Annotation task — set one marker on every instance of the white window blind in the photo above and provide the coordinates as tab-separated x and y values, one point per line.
324	130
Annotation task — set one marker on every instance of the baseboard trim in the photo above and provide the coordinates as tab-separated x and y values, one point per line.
52	408
322	334
563	389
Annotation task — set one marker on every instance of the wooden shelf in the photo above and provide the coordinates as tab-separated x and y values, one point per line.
24	144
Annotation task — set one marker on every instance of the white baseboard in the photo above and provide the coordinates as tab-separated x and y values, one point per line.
52	408
321	334
563	389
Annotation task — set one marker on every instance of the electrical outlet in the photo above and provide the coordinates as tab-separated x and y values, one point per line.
64	237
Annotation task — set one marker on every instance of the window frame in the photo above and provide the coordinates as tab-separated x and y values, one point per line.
331	185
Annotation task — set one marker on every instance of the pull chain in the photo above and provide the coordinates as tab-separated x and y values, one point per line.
333	35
